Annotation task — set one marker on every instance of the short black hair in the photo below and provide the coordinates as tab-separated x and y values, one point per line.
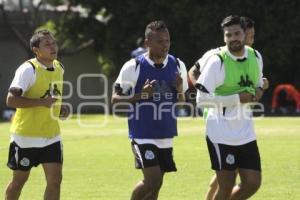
37	36
249	23
155	26
233	20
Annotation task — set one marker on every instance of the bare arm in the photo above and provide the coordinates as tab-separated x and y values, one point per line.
194	74
15	100
179	88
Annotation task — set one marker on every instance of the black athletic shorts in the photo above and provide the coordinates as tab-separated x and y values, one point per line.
25	158
228	157
149	155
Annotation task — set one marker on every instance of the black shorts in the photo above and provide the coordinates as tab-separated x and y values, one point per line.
25	158
149	155
227	157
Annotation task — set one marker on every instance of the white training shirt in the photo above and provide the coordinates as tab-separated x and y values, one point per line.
205	57
127	79
236	126
24	78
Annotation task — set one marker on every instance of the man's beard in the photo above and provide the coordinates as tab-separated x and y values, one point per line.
236	47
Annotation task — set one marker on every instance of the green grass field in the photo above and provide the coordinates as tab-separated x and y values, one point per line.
98	163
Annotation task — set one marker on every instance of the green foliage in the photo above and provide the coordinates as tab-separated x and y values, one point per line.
54	2
49	25
194	28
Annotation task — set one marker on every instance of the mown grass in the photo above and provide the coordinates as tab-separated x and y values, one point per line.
98	163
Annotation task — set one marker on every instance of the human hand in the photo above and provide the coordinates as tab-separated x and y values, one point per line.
178	83
48	101
246	97
266	83
64	112
148	88
259	93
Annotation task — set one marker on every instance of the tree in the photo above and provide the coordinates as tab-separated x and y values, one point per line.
113	26
36	16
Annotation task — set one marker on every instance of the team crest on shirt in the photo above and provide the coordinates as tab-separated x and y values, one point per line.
149	155
25	162
230	159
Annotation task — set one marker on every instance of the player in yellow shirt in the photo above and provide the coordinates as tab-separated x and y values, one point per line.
36	93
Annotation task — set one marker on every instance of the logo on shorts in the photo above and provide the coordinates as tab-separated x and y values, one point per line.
230	159
25	162
149	155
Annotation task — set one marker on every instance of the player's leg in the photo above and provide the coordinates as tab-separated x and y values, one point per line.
249	171
213	186
226	181
51	159
149	187
250	183
166	164
53	173
14	188
223	161
154	195
146	159
20	160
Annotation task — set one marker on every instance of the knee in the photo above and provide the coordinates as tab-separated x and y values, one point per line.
14	185
17	184
252	184
213	183
154	183
225	188
54	180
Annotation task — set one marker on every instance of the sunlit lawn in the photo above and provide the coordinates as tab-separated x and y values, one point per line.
98	163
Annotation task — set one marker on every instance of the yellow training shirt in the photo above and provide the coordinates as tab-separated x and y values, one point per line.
41	121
